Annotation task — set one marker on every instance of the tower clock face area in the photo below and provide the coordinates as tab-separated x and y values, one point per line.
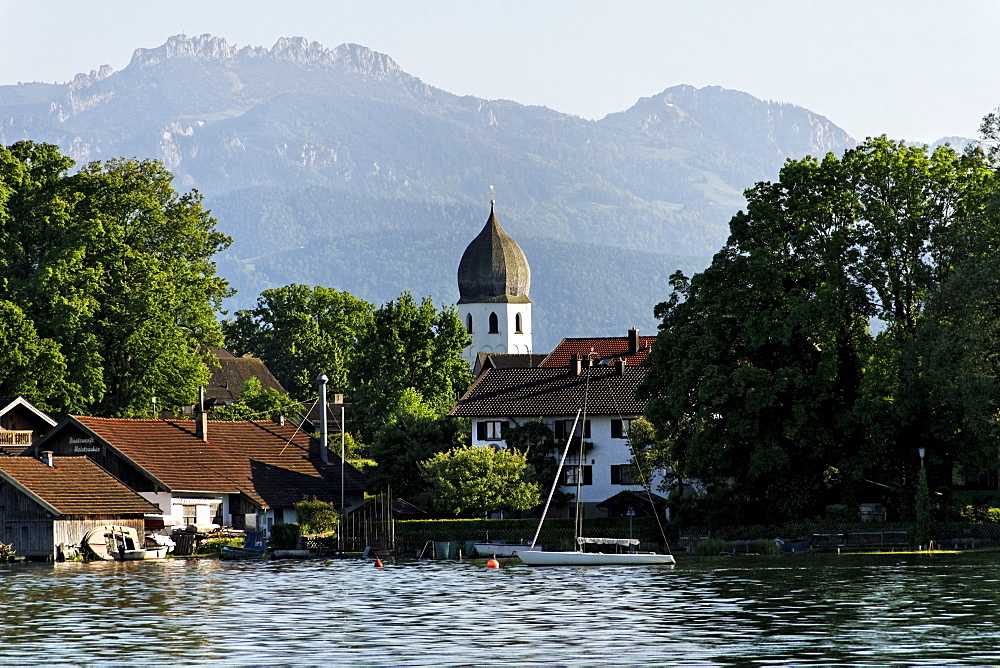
493	284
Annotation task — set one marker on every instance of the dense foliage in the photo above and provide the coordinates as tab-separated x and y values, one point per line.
413	352
850	319
472	480
402	443
107	276
316	517
299	332
256	403
537	443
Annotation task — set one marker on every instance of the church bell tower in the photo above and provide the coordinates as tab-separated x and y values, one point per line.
493	283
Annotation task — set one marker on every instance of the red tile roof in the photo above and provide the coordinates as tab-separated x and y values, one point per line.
74	486
170	452
602	347
275	465
541	392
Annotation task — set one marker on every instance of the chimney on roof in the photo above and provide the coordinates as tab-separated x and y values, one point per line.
575	364
620	366
201	417
633	341
47	458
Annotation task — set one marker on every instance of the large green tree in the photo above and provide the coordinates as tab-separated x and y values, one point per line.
116	268
300	332
412	349
256	403
766	379
402	443
537	443
472	480
30	366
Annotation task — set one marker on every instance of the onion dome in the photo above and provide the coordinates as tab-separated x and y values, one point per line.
493	268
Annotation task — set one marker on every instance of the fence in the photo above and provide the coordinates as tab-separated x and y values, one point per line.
557	533
849	535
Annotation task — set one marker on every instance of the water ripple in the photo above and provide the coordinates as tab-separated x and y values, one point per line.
810	611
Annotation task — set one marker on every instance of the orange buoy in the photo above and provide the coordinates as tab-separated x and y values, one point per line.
493	563
378	563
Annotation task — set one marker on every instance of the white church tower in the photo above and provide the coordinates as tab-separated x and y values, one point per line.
493	283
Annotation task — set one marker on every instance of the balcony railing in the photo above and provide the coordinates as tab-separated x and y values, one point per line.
15	437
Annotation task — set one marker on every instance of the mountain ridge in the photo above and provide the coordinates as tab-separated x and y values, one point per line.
303	152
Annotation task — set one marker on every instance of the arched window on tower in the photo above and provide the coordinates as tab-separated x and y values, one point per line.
517	324
494	324
468	323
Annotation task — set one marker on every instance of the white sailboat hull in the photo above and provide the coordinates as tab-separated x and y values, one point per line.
502	550
594	558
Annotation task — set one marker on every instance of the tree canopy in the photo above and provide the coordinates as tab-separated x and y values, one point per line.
299	332
849	319
473	480
256	403
114	270
402	443
412	351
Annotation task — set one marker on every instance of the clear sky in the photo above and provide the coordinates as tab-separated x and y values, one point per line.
912	69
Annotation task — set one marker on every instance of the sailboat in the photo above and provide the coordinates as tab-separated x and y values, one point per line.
579	556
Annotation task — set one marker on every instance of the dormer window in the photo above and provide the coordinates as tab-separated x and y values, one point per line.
517	324
494	324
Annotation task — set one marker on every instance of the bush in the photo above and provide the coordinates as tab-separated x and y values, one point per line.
766	546
285	535
214	545
316	517
710	547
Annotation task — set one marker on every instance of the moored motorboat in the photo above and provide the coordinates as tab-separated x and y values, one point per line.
113	542
254	547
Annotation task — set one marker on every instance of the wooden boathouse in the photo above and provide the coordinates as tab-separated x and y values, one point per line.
48	505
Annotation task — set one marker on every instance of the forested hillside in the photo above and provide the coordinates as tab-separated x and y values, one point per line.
336	167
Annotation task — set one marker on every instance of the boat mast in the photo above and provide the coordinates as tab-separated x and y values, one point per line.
555	483
578	520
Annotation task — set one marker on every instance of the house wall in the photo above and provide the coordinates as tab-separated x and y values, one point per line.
607	452
26	526
208	509
272	516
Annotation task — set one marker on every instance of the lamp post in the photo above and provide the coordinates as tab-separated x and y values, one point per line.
922	452
343	448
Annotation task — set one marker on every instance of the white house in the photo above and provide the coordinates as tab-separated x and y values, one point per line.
503	397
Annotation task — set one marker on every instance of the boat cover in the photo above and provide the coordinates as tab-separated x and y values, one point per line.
608	541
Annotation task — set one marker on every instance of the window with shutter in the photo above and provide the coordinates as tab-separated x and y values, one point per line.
571	473
619	428
492	430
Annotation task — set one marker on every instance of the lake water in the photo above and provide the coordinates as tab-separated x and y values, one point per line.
863	610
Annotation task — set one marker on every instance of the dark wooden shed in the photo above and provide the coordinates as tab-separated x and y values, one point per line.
48	505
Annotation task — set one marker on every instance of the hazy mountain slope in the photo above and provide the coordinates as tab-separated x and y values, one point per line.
335	167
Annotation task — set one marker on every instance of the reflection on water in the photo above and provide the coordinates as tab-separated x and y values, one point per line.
848	609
